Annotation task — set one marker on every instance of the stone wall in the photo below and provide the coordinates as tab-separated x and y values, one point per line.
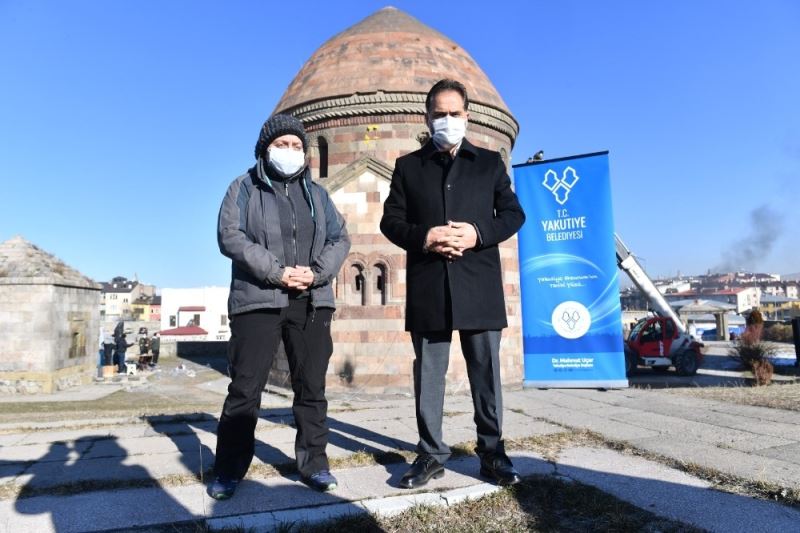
51	337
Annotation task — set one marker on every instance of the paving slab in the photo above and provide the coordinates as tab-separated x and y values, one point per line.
788	452
757	443
685	428
729	420
47	452
735	420
128	508
530	428
288	520
612	429
742	464
72	435
10	439
752	442
715	406
572	401
673	494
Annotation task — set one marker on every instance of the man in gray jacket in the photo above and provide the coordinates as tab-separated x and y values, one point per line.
286	242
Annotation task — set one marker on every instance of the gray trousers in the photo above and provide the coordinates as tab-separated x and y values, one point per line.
482	353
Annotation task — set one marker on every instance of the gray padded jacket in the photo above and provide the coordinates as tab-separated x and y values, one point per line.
249	233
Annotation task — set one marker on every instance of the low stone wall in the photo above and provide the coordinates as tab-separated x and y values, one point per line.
13	383
193	348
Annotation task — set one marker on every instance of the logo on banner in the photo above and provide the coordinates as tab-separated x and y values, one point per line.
571	319
560	186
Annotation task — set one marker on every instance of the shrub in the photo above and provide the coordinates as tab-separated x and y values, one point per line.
754	354
778	333
746	351
762	370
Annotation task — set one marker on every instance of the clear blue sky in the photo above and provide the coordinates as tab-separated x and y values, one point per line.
122	123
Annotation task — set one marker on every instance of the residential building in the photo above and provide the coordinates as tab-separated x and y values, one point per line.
147	309
779	307
204	311
744	298
119	295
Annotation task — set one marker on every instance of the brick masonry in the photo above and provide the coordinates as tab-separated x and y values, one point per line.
372	352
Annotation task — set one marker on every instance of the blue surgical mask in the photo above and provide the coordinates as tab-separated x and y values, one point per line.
286	161
448	131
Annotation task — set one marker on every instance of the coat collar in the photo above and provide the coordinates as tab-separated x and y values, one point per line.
467	149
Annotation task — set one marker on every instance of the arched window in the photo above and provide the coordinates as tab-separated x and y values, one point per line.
358	287
379	284
322	146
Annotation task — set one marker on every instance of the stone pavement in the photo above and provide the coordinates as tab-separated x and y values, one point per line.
98	474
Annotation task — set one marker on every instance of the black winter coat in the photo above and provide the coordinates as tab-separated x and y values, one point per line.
466	293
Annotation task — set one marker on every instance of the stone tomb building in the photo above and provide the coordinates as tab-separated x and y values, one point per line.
361	97
49	321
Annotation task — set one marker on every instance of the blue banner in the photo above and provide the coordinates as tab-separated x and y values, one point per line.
571	317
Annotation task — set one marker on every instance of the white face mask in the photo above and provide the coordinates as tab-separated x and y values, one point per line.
286	161
448	131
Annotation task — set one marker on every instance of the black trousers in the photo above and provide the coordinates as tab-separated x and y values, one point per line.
255	336
119	360
108	353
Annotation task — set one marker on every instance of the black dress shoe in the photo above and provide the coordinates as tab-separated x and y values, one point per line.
499	469
422	470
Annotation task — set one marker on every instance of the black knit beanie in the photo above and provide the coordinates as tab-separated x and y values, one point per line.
278	125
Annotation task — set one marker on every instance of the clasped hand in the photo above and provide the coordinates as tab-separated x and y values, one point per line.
300	277
452	239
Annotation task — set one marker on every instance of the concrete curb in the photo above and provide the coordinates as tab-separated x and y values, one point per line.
295	519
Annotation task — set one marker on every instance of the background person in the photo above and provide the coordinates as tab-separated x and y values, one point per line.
144	344
155	348
108	349
119	353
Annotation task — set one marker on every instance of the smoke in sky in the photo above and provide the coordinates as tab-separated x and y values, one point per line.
765	228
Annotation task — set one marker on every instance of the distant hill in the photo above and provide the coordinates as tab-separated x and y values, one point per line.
791	277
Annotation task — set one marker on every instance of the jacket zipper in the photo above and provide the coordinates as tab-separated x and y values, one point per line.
294	221
313	235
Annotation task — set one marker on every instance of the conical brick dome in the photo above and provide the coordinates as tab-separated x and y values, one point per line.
363	93
392	52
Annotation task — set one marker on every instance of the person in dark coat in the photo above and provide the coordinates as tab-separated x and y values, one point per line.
108	349
144	344
155	348
286	242
449	206
119	353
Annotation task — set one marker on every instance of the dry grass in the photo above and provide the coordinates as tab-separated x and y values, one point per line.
550	446
162	393
776	396
539	503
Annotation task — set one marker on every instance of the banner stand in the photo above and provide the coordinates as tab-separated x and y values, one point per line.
569	281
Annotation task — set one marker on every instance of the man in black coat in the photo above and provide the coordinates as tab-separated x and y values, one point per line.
449	207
